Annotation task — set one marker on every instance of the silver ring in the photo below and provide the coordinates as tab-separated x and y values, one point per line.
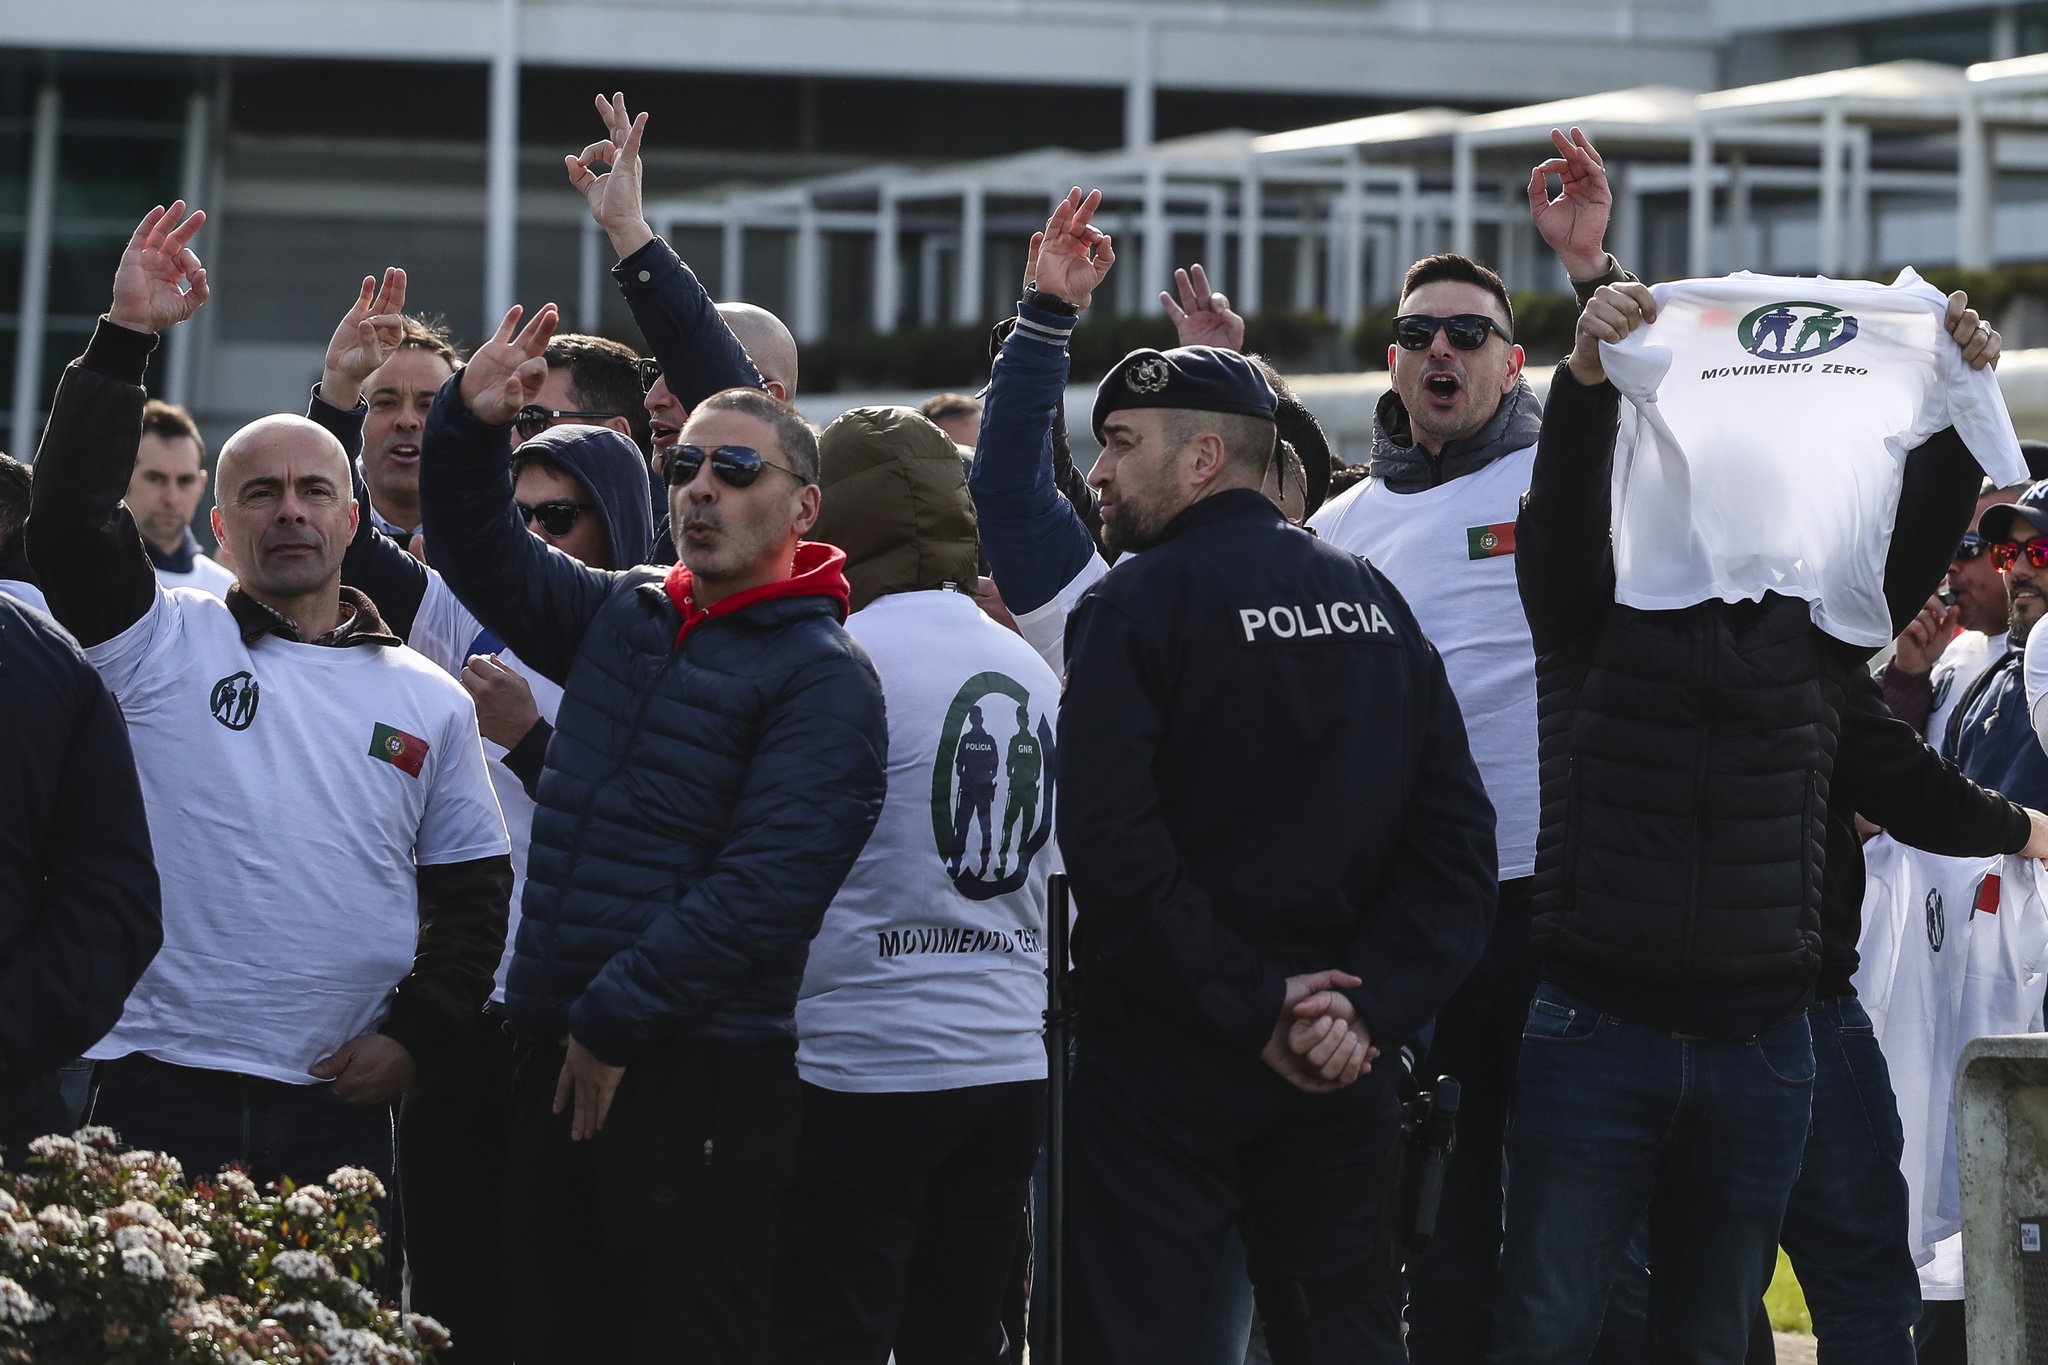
1983	330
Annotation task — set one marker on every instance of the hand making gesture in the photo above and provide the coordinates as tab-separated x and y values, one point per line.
1202	316
365	338
1074	255
159	282
1574	223
615	196
507	371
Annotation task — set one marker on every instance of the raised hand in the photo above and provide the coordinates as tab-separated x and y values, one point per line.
1979	341
615	196
1075	254
365	338
1924	637
1612	313
1574	223
1202	316
159	282
506	372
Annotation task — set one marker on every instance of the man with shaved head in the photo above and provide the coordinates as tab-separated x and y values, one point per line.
335	906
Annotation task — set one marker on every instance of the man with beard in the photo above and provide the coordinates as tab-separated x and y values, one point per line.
1243	966
1927	679
1995	740
335	901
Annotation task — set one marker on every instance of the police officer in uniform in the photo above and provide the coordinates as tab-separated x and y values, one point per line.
1282	860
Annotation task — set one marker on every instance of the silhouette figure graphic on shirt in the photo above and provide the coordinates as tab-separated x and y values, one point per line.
1820	325
1775	324
1023	767
974	763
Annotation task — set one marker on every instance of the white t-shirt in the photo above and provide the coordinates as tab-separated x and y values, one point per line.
1765	442
291	790
445	632
1962	662
1952	948
2034	672
929	970
1045	626
27	593
1450	550
207	575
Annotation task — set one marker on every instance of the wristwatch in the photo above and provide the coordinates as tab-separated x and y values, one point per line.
1050	303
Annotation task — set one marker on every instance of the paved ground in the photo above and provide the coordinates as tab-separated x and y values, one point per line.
1794	1348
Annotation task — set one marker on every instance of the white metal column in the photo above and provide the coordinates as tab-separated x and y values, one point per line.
1832	137
888	283
1856	255
501	192
732	257
1974	188
1158	257
1464	193
34	308
1305	253
180	348
589	275
1350	239
1140	94
1738	212
1251	216
1212	236
967	296
810	275
1700	202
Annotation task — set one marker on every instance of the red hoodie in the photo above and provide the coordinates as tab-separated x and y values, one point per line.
819	571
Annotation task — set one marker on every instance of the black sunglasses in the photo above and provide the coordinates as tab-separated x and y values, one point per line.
650	373
530	422
1972	547
2007	552
735	466
558	517
1466	331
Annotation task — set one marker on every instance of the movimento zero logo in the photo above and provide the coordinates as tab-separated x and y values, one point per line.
995	767
234	700
1795	330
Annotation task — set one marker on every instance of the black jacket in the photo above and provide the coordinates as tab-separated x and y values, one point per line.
706	789
87	552
1264	773
80	916
1688	761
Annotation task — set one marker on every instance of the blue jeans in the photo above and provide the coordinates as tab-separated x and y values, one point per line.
1613	1120
1845	1228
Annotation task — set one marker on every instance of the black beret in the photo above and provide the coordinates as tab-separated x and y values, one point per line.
1197	378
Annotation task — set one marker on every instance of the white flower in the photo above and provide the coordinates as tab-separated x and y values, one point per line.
356	1180
23	1239
99	1135
133	1235
142	1263
59	1222
17	1305
140	1212
302	1204
239	1186
427	1330
61	1150
302	1265
7	1204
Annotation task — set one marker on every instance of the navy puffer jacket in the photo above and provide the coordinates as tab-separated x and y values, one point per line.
706	789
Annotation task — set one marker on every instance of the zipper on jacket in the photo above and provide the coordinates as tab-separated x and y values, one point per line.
1709	695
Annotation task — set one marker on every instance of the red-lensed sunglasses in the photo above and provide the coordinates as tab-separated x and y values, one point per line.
2006	553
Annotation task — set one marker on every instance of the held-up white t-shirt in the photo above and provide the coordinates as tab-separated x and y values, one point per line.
445	632
1044	627
1450	550
929	970
292	789
1952	949
1765	440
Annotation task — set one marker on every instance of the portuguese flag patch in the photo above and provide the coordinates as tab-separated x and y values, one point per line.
1490	542
407	753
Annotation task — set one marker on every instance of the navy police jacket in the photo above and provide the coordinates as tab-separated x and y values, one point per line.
1265	774
1996	746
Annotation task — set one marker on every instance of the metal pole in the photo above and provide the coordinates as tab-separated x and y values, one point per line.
888	283
1138	90
501	193
192	184
967	295
1974	173
589	275
1700	201
1832	137
35	273
1251	258
1058	1023
1464	194
1157	260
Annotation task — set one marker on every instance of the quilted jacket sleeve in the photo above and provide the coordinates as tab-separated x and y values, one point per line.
811	798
